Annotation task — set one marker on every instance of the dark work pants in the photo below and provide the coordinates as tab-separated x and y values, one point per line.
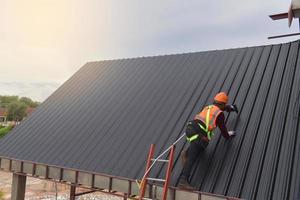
193	152
196	146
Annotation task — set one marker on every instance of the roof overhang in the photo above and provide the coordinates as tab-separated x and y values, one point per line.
118	186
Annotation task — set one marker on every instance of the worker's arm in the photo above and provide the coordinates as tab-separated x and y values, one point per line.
221	124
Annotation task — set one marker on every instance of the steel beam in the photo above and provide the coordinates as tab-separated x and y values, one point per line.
18	187
72	192
89	180
287	35
279	16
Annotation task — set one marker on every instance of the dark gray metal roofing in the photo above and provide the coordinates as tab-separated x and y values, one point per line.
104	118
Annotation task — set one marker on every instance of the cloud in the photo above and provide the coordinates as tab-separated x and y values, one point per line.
37	91
163	27
65	35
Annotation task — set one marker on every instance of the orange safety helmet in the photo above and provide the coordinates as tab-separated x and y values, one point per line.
221	98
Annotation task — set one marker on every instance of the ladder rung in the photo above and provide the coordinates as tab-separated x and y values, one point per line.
156	179
160	160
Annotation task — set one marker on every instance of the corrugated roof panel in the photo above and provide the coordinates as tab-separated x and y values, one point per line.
265	188
265	109
285	159
104	118
245	103
214	155
254	107
294	189
200	101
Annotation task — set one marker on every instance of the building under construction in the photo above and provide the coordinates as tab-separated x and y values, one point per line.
96	129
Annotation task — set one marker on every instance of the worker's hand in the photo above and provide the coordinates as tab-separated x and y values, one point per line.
232	108
235	109
231	133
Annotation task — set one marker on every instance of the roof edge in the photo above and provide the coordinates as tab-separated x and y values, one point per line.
191	52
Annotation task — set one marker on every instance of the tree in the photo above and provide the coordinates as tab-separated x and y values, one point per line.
16	111
5	100
29	102
16	107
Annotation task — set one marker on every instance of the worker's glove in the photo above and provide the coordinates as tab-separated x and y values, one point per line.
232	108
231	133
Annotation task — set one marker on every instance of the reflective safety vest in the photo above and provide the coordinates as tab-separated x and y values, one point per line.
209	117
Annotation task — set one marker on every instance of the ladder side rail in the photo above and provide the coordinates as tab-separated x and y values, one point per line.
169	171
144	180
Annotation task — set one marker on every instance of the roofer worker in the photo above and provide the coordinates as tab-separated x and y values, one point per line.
199	132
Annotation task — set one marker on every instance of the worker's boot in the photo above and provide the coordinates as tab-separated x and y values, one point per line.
184	184
183	157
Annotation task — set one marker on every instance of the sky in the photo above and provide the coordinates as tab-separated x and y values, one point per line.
44	42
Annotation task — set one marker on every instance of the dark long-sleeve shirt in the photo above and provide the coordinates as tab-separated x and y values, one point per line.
221	124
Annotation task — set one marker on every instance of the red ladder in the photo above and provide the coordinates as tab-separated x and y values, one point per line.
148	168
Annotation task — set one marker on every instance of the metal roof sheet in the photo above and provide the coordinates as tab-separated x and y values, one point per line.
104	118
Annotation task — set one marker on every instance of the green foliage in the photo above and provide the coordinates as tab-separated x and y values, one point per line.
29	102
4	131
16	111
1	195
5	100
16	107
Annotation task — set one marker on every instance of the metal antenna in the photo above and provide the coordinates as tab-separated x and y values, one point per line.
293	12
